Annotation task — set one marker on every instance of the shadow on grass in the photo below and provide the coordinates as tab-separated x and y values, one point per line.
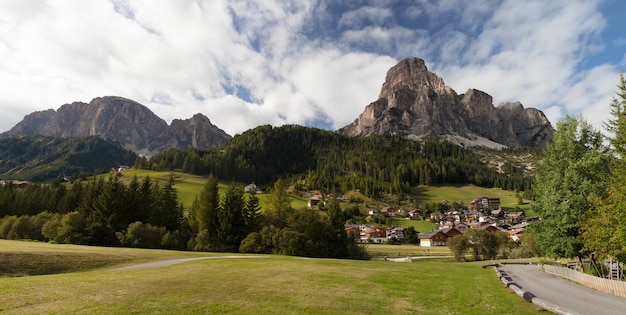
19	264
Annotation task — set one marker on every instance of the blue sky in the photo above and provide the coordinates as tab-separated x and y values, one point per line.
316	63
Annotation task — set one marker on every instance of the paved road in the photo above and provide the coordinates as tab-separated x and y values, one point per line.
564	293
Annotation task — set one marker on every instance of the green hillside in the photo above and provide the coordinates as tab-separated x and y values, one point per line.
189	186
323	160
41	159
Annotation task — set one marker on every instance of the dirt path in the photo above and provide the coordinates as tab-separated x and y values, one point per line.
169	262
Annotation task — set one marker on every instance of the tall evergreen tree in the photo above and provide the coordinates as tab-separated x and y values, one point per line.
208	208
167	212
251	213
232	226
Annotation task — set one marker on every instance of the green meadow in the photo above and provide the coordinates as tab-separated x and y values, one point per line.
189	186
264	284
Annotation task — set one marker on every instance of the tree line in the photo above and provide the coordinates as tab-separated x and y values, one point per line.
145	213
334	163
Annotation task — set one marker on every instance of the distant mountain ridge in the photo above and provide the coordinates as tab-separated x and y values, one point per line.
416	103
119	119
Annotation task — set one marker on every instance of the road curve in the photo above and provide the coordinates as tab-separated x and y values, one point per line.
169	262
564	293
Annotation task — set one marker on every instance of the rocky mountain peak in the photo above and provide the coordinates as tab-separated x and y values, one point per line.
116	118
410	73
416	103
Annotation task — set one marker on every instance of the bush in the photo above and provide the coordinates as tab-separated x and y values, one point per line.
201	242
253	243
71	229
50	229
142	235
6	224
19	229
36	225
459	245
521	252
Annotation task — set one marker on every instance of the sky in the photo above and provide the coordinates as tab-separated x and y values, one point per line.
316	63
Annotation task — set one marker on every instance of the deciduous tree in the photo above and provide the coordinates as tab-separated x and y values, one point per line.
573	170
604	231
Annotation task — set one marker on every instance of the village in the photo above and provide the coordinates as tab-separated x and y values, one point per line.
482	213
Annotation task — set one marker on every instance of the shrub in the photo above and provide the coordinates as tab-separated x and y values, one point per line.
19	229
6	224
142	235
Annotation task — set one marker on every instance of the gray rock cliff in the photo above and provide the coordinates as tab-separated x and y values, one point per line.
416	103
123	120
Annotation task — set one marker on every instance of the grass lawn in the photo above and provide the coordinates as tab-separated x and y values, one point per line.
467	193
267	285
189	186
419	225
407	250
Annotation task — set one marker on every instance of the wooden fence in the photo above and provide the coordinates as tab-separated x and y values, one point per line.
614	287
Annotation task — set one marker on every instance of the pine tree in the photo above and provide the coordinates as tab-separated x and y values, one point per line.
251	213
208	208
232	227
167	212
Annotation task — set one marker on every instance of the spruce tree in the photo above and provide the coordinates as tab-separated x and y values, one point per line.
232	228
251	213
208	207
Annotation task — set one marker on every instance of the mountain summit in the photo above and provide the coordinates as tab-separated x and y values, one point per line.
416	103
123	120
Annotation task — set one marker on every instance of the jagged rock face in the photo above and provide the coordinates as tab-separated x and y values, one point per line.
123	120
196	132
416	102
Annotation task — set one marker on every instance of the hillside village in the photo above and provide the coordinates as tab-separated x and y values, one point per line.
483	213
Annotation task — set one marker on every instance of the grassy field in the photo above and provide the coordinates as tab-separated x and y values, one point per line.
378	250
265	285
188	186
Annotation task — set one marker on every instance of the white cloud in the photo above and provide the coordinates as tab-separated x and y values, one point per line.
365	15
531	51
336	83
244	63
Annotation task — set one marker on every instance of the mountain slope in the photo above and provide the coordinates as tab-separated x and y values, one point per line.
327	161
122	120
416	103
39	158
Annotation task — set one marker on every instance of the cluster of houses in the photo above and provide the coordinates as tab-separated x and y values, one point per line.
482	213
119	169
16	184
373	234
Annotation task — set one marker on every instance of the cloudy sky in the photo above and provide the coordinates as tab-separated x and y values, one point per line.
318	63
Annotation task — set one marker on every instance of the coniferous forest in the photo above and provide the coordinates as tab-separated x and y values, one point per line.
333	163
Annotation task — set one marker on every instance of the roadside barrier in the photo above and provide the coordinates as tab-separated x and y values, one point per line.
615	287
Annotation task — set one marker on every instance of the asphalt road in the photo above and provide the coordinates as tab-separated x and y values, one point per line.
564	293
